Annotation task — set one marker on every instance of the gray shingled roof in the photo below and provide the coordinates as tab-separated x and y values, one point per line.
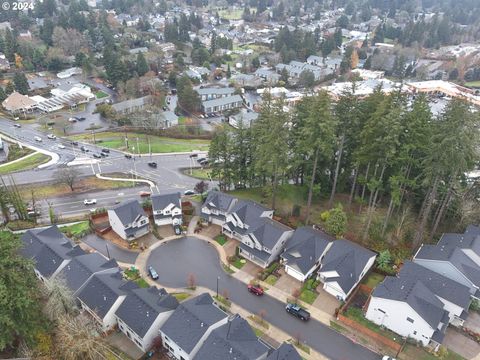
348	260
222	101
161	201
305	248
48	248
233	341
249	212
82	267
268	232
456	256
469	240
129	211
142	306
215	91
415	294
219	201
191	320
102	290
285	352
440	285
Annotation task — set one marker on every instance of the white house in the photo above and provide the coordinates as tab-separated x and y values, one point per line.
343	267
185	331
305	251
167	209
216	207
69	72
102	295
49	249
143	312
129	220
409	308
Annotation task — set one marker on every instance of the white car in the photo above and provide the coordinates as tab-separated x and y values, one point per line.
51	136
61	146
189	192
386	357
93	210
89	201
37	138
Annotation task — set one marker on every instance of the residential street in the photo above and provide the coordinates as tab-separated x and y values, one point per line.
175	260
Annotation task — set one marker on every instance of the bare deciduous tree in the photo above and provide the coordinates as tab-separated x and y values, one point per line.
59	298
67	176
191	280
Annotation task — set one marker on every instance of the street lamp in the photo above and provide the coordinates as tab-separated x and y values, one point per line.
218	278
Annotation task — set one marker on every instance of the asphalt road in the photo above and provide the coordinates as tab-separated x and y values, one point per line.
175	260
110	250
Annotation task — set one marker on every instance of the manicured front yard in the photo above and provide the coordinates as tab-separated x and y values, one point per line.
159	144
100	94
25	164
308	296
76	230
239	262
373	279
271	280
475	84
134	275
418	353
221	239
181	296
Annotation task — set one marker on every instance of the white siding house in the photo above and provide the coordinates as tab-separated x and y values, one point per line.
129	220
167	209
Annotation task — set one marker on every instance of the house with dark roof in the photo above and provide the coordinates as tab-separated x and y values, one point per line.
185	331
102	295
81	268
143	312
262	239
49	249
222	104
211	93
343	267
456	256
408	307
306	249
234	340
456	298
129	220
216	207
167	209
285	352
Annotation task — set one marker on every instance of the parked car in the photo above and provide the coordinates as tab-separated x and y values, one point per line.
189	192
17	125
193	155
75	143
386	357
51	136
152	164
72	119
37	138
61	146
97	156
297	311
84	149
177	229
33	213
153	274
203	162
89	201
201	159
103	154
128	156
144	193
81	118
105	150
255	289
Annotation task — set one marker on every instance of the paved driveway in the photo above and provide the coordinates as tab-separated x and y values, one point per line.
110	250
175	260
461	344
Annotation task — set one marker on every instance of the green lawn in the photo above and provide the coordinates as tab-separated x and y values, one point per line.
418	353
159	144
475	84
373	279
258	332
239	262
28	163
100	94
76	230
15	152
221	239
142	283
307	296
271	280
231	14
181	296
182	120
198	173
357	315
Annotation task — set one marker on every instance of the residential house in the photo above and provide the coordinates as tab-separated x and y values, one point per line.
306	249
185	331
343	267
132	105
143	312
167	209
81	269
102	295
262	239
69	72
315	60
285	352
234	340
456	256
222	104
268	75
246	116
197	72
216	207
138	50
456	298
407	307
169	119
4	63
17	103
247	80
129	220
49	249
211	93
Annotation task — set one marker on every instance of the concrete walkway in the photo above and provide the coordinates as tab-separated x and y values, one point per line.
18	160
150	183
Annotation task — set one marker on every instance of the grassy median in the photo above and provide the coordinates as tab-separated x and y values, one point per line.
25	164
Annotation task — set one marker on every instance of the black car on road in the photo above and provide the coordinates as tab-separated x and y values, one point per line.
153	274
152	164
297	311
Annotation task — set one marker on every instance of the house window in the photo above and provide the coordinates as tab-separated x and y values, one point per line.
415	333
138	342
383	312
410	320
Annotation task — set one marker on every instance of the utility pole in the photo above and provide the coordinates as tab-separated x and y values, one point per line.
138	148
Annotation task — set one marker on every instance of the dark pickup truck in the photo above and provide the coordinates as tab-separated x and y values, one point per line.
297	311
